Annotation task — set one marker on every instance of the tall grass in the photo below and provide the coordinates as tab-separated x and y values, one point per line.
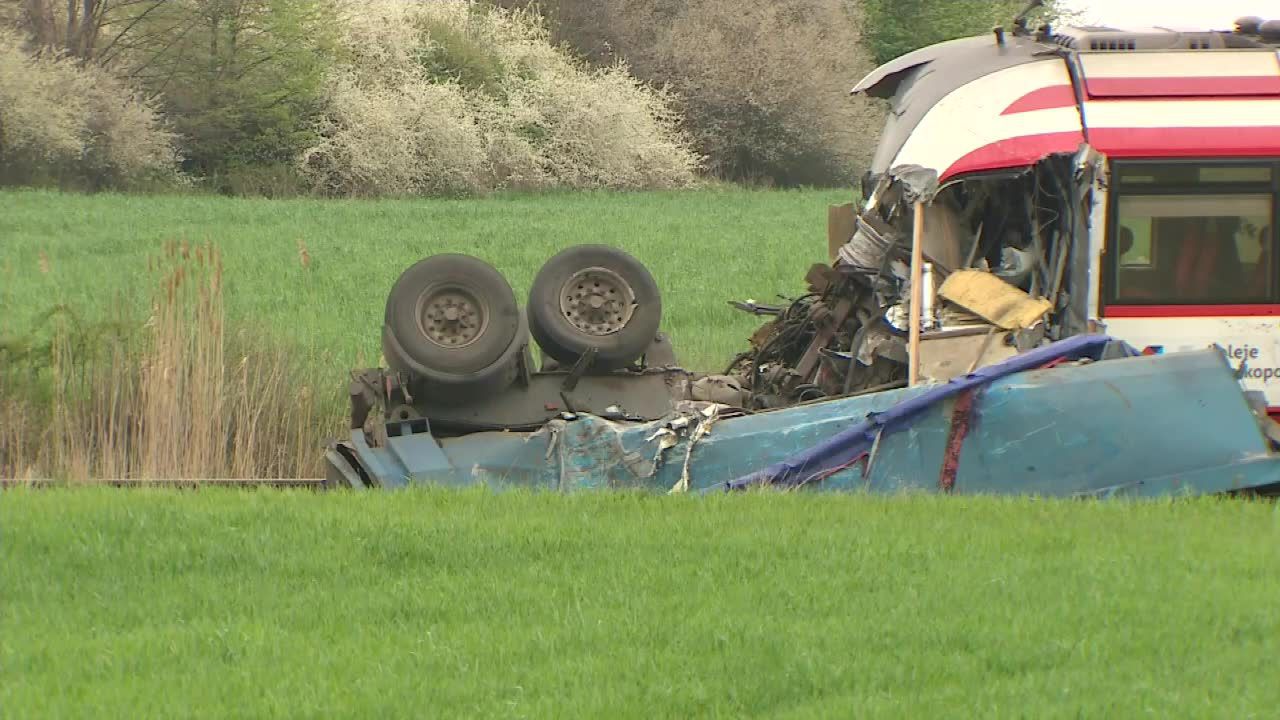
703	248
171	395
300	299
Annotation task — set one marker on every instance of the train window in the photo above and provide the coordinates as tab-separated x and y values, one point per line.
1190	234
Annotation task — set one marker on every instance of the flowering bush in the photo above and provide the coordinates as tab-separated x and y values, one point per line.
450	97
61	121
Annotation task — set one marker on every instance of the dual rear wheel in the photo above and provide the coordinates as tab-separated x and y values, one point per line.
452	321
452	324
594	296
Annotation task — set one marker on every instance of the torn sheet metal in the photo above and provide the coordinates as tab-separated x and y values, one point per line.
591	455
918	183
707	417
845	447
1145	425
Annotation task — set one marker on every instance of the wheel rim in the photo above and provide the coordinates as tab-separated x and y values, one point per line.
597	301
452	316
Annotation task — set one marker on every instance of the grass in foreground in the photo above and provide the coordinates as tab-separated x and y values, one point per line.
470	604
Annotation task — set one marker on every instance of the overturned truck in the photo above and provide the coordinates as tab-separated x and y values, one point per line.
1060	280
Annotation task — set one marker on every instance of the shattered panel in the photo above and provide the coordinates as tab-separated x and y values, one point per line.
590	454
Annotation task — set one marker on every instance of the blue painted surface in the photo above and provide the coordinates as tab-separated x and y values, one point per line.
849	445
1165	424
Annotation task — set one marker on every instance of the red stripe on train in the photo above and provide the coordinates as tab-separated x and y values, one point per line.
1225	141
1158	142
1176	311
1200	86
1013	152
1045	98
1051	97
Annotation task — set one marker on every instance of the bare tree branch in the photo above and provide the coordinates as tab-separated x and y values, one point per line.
105	55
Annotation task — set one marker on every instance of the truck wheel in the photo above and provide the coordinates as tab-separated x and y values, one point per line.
453	320
594	296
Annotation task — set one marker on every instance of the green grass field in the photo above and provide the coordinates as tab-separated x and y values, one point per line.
704	248
471	604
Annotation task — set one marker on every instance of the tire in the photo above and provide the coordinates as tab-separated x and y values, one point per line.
620	325
453	320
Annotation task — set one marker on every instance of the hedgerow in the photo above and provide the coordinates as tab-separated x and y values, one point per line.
68	123
452	97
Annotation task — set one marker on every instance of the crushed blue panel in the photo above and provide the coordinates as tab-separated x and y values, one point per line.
1129	426
845	447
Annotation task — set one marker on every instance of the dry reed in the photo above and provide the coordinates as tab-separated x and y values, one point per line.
175	396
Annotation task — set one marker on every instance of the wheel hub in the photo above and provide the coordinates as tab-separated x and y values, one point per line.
597	301
452	317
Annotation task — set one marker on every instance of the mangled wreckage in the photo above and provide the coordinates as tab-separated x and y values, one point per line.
1061	280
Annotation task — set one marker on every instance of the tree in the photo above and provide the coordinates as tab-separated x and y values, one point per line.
70	123
81	29
763	87
896	27
239	79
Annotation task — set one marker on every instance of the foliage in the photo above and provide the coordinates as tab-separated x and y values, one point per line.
68	123
446	97
451	97
896	27
240	79
74	28
162	393
236	80
450	51
763	87
418	138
